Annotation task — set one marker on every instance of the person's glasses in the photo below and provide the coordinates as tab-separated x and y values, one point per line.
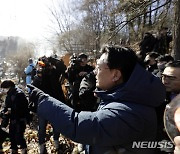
97	68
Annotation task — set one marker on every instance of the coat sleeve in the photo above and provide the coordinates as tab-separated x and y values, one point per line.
104	127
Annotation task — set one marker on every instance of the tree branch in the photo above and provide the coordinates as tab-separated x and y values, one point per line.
117	29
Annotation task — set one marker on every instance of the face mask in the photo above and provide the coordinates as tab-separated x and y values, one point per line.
4	90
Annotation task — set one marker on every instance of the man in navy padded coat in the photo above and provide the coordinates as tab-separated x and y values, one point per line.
126	113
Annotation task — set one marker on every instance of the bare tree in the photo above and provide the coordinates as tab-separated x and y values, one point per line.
143	15
103	21
20	58
176	33
63	19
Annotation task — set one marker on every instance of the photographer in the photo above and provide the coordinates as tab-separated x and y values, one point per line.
48	75
75	73
50	72
86	92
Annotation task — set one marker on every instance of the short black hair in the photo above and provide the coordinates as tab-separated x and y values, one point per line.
167	58
153	54
7	84
122	58
82	55
30	60
175	64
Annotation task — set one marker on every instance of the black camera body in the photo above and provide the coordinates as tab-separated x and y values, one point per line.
76	61
52	60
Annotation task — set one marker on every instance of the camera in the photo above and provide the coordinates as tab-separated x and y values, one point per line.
52	60
76	61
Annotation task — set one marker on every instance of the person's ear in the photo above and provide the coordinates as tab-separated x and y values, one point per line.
116	75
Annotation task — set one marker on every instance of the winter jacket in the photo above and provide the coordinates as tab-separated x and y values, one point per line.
17	102
73	73
86	93
28	71
49	82
125	114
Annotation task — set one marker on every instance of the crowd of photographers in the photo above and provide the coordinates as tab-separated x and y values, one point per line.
49	73
81	97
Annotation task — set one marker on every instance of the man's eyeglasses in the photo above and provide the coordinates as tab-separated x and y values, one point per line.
97	68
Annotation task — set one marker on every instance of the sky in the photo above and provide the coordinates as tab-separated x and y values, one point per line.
30	20
27	19
24	18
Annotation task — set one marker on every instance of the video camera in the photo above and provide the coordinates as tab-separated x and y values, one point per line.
76	61
53	60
